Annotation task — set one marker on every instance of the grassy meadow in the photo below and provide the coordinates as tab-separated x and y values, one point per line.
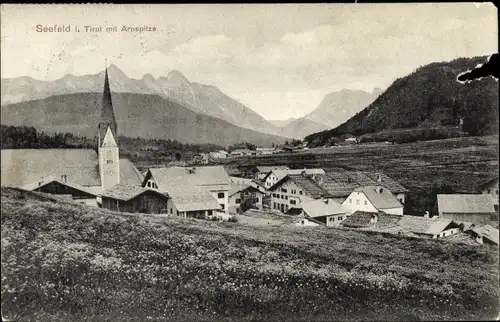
68	262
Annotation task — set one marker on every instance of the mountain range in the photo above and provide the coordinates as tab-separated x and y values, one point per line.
202	99
137	115
429	97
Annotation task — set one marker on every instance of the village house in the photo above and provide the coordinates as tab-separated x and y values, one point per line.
82	173
264	151
239	193
213	179
474	208
373	199
302	220
326	211
221	154
294	189
241	152
127	198
352	140
490	187
485	234
376	222
259	172
429	227
273	176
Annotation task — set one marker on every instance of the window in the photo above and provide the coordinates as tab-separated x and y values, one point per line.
350	200
109	157
489	191
357	201
293	202
170	210
282	197
220	195
366	202
286	208
238	201
286	197
222	206
496	207
300	192
340	218
283	190
294	191
302	222
149	184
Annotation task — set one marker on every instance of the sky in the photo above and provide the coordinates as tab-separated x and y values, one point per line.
280	60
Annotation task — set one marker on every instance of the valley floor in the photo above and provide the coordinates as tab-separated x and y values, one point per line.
69	262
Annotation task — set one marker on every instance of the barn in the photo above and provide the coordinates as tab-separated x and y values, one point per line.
131	198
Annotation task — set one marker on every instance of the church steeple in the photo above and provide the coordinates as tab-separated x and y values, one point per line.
107	112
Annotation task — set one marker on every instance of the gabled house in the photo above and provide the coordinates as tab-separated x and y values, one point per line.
490	187
373	199
221	154
474	208
485	234
131	198
260	172
429	227
213	179
294	189
239	193
273	176
326	211
305	221
264	151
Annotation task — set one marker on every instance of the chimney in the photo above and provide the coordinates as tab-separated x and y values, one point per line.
62	177
426	215
65	178
379	178
379	190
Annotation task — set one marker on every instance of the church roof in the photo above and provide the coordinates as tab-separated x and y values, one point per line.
129	174
24	166
109	140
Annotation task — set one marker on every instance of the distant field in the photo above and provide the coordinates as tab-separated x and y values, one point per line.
458	163
68	262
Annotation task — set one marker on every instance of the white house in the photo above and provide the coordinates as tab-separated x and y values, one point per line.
264	151
373	199
238	193
326	211
260	172
221	154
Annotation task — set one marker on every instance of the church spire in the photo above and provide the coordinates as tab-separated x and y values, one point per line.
107	112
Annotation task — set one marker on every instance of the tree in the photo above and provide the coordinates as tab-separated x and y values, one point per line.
177	156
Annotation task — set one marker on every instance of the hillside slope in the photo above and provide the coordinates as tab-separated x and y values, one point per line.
208	100
429	97
137	115
68	262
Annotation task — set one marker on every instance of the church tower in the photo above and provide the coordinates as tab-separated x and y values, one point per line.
107	112
109	155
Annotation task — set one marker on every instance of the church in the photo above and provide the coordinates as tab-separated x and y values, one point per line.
78	174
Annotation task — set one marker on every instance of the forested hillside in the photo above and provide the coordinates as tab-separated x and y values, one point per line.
429	97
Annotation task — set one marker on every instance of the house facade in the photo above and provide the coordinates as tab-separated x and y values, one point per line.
291	190
260	172
239	193
373	199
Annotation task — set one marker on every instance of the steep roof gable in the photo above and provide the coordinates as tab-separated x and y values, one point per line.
380	197
109	139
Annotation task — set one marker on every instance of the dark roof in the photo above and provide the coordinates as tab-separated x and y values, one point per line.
127	192
266	169
24	166
341	184
427	226
306	183
359	219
